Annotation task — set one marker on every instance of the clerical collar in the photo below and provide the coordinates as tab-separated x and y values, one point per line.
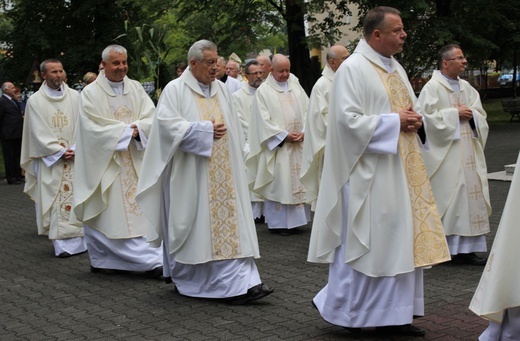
252	90
53	92
387	62
118	87
205	89
283	85
454	83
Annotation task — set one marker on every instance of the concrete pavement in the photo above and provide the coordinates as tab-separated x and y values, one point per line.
46	298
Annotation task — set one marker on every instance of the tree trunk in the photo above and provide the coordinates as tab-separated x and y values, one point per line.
299	54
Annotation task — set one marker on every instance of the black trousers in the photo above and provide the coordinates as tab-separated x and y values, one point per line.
12	149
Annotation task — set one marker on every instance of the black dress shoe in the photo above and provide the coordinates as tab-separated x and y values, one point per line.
156	273
468	258
406	330
13	182
168	280
253	294
103	271
64	255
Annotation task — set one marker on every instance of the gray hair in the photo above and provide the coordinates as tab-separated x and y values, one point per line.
43	65
105	55
196	51
222	60
5	85
445	53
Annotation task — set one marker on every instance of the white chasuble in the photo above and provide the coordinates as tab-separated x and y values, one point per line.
49	128
456	162
430	246
223	218
125	186
498	289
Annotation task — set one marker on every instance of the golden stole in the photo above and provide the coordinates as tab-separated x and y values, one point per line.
222	201
430	246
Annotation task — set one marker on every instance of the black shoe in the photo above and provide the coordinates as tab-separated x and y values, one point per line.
103	271
64	255
156	273
168	280
255	293
13	182
407	330
260	220
468	258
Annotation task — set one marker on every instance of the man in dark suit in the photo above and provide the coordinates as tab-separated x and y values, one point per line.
11	126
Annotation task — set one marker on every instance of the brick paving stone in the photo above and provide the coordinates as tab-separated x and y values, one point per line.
46	298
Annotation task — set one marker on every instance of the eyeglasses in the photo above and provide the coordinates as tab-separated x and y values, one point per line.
258	73
209	62
459	58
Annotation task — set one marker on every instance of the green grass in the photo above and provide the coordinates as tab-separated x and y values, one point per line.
495	114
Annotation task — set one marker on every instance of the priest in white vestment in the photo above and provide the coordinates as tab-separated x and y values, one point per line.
243	101
194	189
497	297
232	84
275	140
48	145
457	129
316	123
376	222
115	118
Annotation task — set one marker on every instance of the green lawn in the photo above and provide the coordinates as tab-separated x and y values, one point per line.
495	113
492	106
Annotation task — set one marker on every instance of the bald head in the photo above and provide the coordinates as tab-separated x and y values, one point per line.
336	55
280	68
265	64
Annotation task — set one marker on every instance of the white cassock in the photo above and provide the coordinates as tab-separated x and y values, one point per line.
456	163
497	297
108	161
374	224
194	191
233	84
243	101
315	133
273	168
49	130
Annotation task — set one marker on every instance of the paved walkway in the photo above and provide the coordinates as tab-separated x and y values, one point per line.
46	298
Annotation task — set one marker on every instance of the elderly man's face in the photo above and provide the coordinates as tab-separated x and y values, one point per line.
281	70
265	64
205	71
116	67
254	76
232	69
9	89
54	75
221	69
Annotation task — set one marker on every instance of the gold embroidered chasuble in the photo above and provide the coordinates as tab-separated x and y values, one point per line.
48	128
126	187
60	214
225	237
430	246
